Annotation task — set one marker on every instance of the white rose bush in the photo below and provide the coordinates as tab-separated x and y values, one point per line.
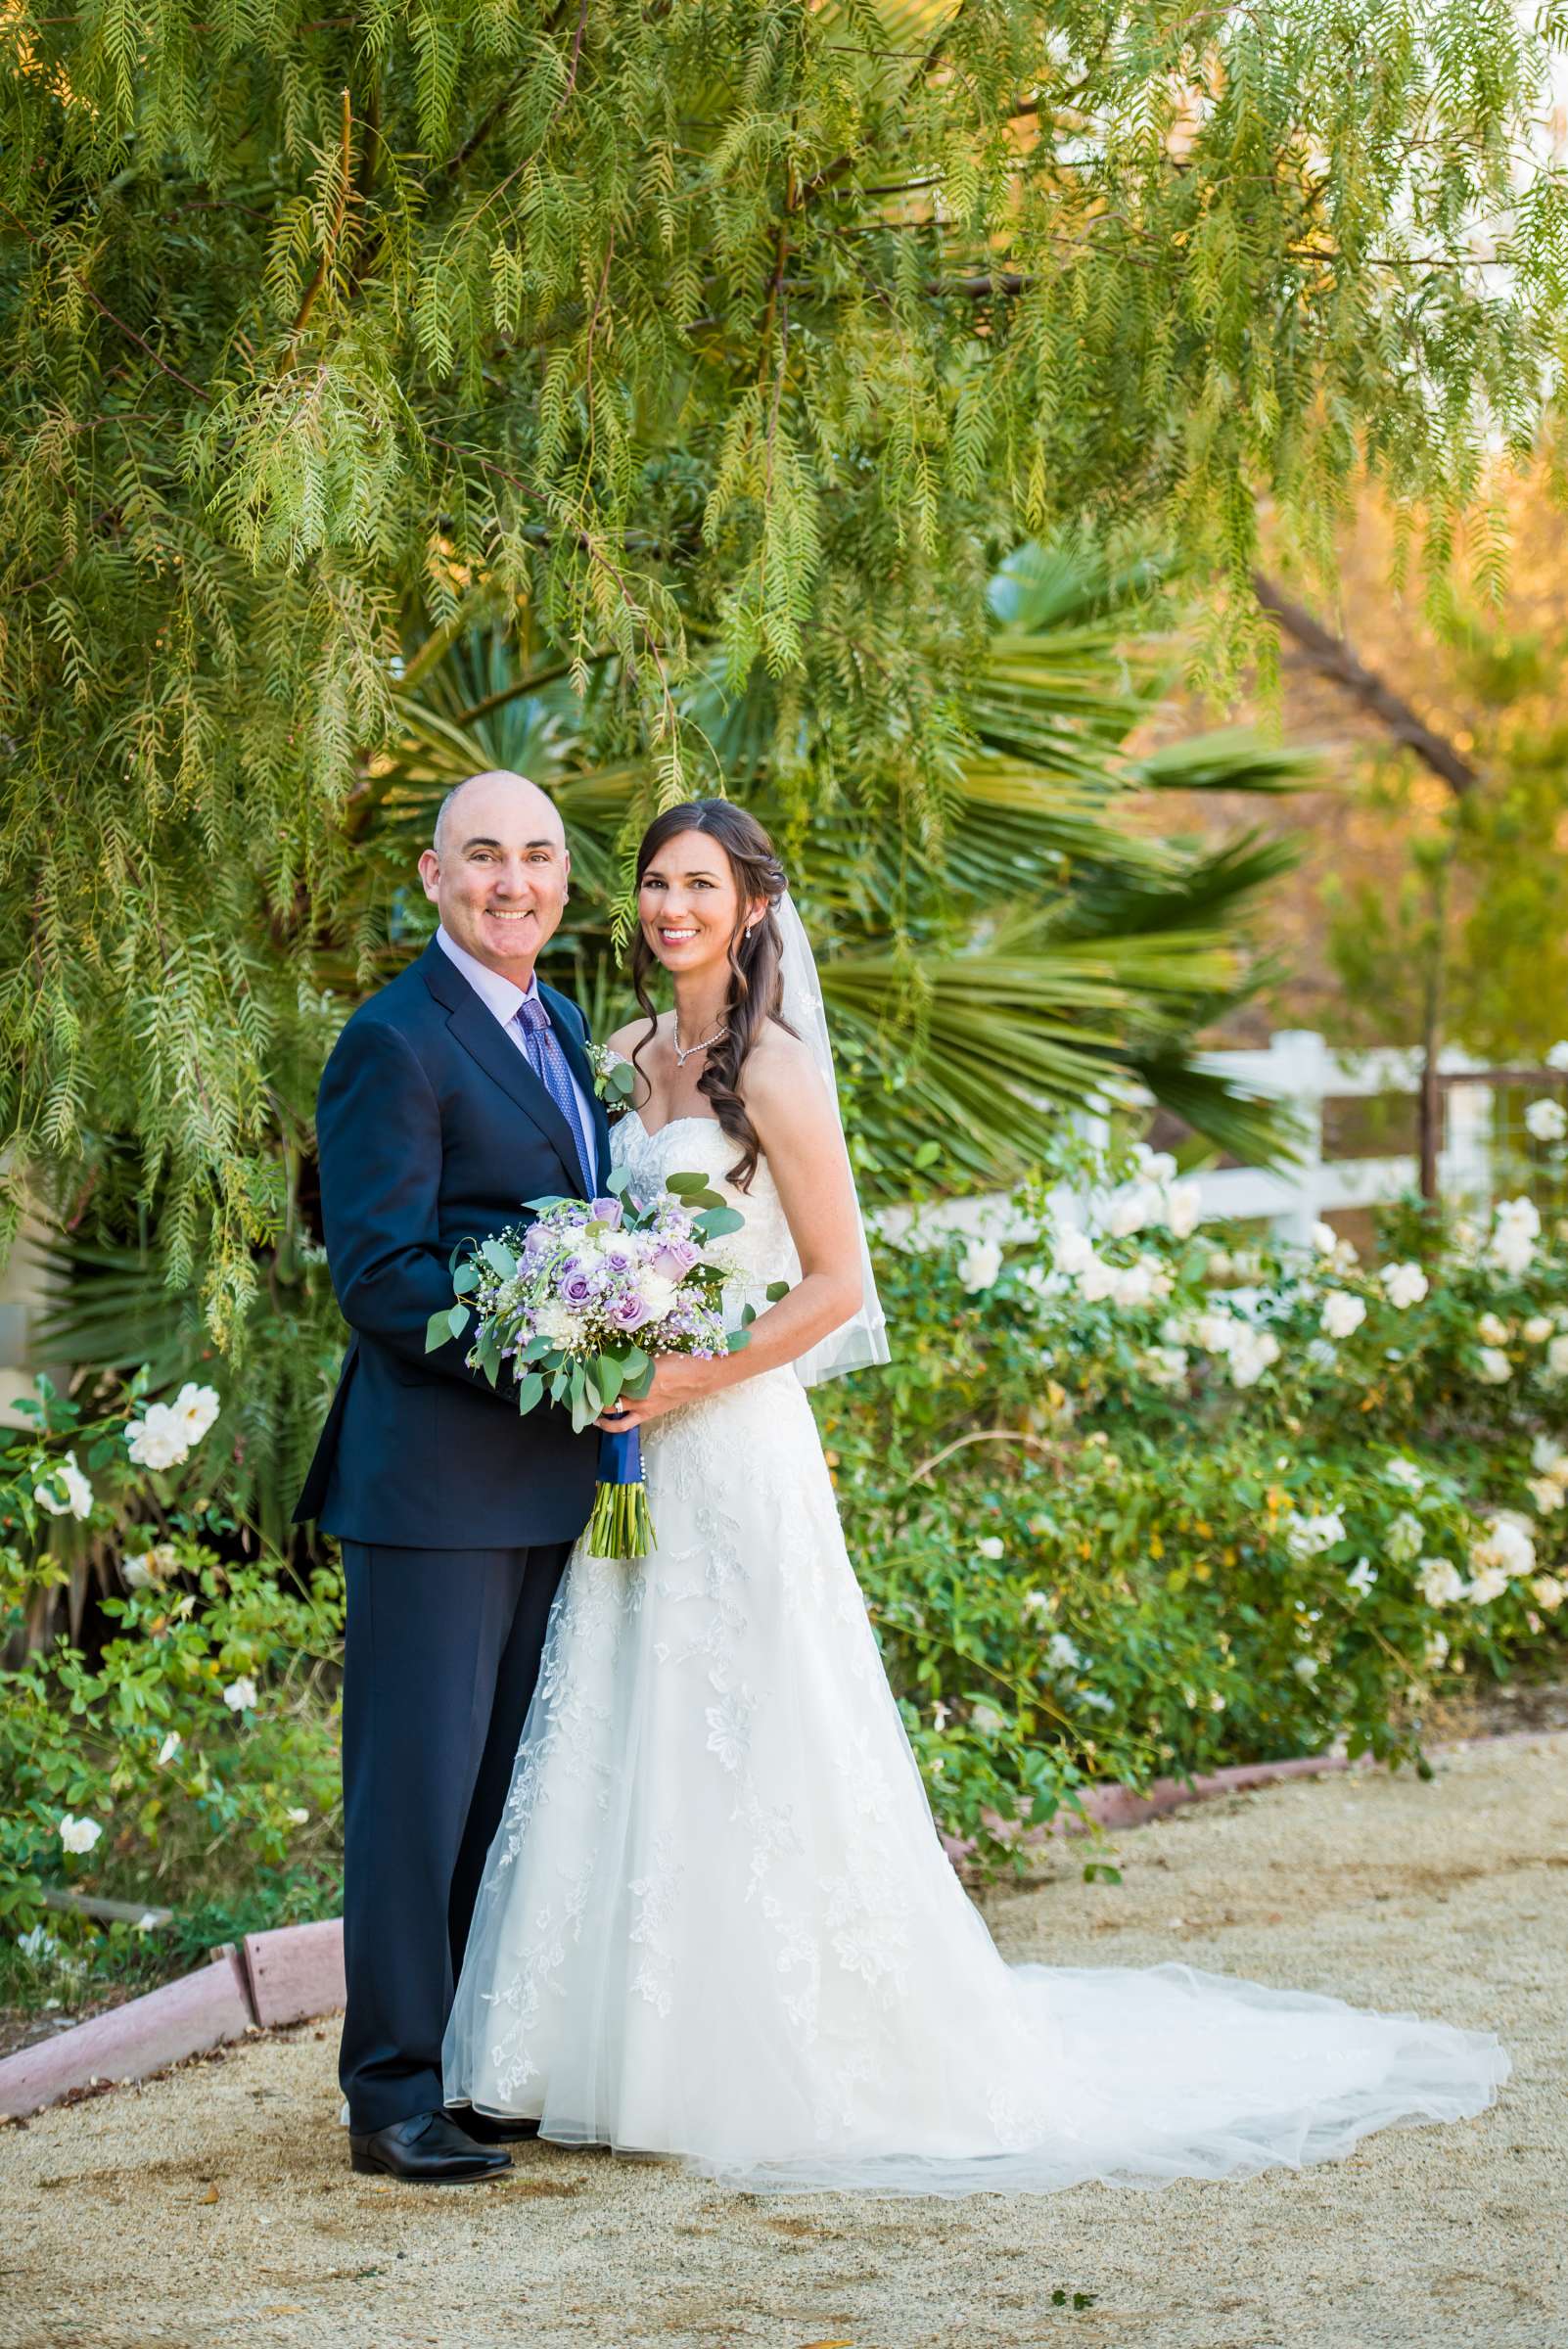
1151	1498
162	1757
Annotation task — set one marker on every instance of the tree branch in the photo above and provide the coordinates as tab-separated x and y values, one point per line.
333	238
1332	657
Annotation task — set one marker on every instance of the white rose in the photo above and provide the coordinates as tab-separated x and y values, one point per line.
1557	1358
1304	1536
1304	1668
1182	1204
1403	1539
1036	1602
990	1546
1251	1354
1407	1284
1537	1330
297	1819
1072	1252
1320	1354
1440	1581
1493	1366
979	1264
1515	1229
1129	1212
1546	1494
1214	1332
169	1749
1097	1281
1156	1165
158	1441
1405	1473
1325	1239
137	1573
240	1694
78	1500
1220	1266
1557	1057
1505	1546
196	1407
1490	1583
1166	1365
1546	1119
1343	1313
1546	1590
1549	1457
1134	1285
1492	1330
1437	1652
78	1834
658	1294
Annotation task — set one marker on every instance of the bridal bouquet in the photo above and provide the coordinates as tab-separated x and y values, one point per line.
582	1301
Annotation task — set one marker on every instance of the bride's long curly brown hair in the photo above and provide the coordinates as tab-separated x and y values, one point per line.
755	986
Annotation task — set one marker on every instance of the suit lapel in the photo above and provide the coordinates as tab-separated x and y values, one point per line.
481	1034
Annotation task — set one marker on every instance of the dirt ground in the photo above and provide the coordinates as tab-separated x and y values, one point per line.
216	2205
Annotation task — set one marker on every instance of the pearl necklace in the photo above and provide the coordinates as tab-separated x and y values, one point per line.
681	1057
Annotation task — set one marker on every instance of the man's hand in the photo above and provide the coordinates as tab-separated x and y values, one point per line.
678	1378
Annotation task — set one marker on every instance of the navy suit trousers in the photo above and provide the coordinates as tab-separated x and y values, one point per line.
440	1659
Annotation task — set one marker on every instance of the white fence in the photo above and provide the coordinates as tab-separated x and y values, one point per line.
1297	1067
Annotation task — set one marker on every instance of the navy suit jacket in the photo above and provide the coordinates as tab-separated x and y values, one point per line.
432	1129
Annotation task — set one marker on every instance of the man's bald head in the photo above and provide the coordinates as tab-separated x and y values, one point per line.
498	869
501	787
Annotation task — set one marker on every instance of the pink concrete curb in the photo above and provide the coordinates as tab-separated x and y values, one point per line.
200	2011
295	1973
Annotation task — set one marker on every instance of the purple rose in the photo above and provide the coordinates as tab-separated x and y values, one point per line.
675	1259
606	1210
577	1288
618	1259
627	1310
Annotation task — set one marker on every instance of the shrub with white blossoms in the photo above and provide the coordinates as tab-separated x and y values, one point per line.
78	1834
76	1501
169	1432
1343	1313
1516	1230
1407	1284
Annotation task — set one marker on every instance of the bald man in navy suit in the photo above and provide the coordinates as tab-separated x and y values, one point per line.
456	1092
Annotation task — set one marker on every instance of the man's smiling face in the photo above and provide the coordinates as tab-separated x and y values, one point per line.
498	873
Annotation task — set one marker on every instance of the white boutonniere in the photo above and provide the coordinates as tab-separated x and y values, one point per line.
613	1079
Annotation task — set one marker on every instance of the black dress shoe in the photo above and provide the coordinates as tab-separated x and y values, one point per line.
428	2150
492	2128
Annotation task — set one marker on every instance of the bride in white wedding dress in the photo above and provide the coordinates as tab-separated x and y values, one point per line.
716	1921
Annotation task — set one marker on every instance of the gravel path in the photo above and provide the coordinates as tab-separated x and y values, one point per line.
215	2206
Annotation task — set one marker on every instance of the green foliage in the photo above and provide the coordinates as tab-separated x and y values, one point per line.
748	335
201	1740
1474	930
1113	1540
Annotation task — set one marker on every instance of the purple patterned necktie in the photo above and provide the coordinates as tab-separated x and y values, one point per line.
549	1065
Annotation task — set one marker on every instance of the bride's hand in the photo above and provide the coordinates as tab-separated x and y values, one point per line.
678	1378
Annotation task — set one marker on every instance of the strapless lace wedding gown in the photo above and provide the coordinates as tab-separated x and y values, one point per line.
716	1921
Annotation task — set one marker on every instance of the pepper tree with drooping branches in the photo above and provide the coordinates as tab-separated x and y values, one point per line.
656	328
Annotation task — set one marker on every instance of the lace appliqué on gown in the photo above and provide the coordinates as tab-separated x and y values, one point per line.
716	1921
